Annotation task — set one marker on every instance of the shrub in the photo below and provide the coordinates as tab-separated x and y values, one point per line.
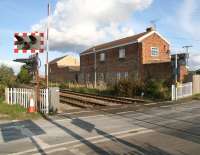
2	90
63	86
157	89
128	88
24	76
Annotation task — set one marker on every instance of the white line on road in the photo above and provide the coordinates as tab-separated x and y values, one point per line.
99	115
148	104
91	139
52	151
76	151
87	111
120	136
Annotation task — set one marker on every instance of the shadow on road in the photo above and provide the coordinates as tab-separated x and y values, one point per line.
135	149
15	130
191	132
97	149
20	130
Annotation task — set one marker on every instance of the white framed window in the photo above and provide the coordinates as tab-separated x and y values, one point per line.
154	51
87	77
118	75
122	53
101	76
102	56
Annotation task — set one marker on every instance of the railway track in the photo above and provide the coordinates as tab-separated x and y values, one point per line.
85	100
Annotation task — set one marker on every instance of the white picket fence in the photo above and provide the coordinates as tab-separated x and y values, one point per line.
22	96
182	91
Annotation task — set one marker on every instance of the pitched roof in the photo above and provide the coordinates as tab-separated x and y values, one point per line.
57	59
125	41
133	38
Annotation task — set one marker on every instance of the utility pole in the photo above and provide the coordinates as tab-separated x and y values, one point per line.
47	49
187	51
176	76
95	69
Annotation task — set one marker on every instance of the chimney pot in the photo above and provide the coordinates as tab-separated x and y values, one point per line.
149	29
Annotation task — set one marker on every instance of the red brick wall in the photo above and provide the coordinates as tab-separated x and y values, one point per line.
136	55
61	74
112	63
161	71
155	41
182	73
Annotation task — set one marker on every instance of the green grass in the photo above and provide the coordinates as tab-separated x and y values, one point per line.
196	97
15	112
108	92
85	90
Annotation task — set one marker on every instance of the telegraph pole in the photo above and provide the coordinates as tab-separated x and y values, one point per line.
47	49
95	69
176	76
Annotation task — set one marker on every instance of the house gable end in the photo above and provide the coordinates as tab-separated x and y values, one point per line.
141	39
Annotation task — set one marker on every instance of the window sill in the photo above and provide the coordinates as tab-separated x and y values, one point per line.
122	58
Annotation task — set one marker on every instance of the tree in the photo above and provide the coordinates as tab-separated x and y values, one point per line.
24	77
7	76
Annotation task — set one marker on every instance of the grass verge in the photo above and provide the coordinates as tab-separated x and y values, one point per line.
15	112
196	97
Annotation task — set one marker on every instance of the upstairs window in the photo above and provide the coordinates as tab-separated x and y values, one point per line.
154	51
122	53
102	57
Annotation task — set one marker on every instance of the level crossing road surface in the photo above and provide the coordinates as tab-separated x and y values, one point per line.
159	130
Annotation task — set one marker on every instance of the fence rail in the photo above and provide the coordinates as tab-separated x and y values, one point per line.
22	96
182	91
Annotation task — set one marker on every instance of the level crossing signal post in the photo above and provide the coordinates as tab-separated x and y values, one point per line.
30	43
32	65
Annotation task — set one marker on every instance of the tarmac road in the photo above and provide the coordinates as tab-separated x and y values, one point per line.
161	130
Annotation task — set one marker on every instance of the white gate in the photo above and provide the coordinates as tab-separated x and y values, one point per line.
22	96
182	90
44	104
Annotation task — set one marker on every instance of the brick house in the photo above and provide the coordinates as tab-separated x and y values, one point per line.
140	57
64	69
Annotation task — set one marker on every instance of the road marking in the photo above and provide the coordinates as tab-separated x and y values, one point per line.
76	151
118	137
116	134
52	151
98	115
87	111
148	104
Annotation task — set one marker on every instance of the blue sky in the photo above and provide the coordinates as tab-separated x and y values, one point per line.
75	28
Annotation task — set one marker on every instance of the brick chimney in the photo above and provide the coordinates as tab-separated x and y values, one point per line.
149	29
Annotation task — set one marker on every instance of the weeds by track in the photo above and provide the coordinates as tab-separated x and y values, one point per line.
84	100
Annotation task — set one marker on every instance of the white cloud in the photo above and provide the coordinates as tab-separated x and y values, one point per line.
188	16
194	61
188	23
82	23
14	65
